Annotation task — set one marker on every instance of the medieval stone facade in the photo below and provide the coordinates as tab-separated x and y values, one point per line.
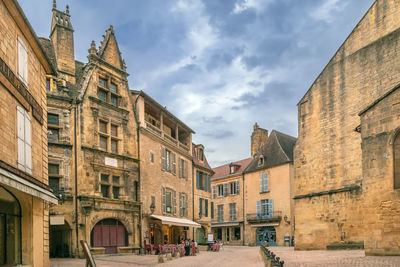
93	153
24	192
336	183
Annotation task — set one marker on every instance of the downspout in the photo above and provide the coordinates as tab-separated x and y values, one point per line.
193	196
244	218
76	177
139	183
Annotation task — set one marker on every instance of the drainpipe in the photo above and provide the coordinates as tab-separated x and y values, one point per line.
135	112
76	177
244	218
192	195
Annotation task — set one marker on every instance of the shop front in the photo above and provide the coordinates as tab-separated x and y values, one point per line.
229	232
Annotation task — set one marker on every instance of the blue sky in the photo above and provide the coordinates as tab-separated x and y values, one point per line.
218	65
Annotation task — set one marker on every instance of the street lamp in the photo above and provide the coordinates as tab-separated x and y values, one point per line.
286	219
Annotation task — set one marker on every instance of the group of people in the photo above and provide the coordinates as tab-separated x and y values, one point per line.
191	247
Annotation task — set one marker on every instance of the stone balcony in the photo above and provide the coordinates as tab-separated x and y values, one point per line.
275	216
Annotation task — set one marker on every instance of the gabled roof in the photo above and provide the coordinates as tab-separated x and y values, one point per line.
48	48
109	50
276	151
224	170
204	164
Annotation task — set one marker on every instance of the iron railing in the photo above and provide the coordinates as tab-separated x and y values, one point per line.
264	217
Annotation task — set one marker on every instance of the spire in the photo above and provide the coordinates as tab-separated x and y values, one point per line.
54	4
92	50
67	9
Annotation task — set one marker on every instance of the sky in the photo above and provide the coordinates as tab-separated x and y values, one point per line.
218	65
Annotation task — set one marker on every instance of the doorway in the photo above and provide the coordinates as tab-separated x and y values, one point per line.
60	241
110	234
266	234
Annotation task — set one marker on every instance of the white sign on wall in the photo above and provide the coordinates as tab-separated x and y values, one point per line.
210	238
56	220
111	162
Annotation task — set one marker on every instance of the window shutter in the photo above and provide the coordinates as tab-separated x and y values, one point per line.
22	61
174	201
270	207
225	190
214	188
180	204
163	158
238	187
180	167
258	208
163	199
212	210
209	183
206	206
185	165
186	205
266	182
197	180
261	182
201	206
28	144
173	163
205	182
21	137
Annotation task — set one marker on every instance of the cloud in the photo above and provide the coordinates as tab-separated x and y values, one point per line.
328	9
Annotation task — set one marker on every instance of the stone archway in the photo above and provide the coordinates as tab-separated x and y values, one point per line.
110	234
60	240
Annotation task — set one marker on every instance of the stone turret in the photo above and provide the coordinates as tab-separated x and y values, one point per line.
258	138
62	37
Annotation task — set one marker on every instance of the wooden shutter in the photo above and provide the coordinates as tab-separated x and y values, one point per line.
186	166
205	181
197	180
180	204
258	208
174	201
270	207
22	61
201	206
186	205
173	163
266	182
28	144
212	210
163	199
209	183
214	188
21	137
162	158
206	207
225	189
238	187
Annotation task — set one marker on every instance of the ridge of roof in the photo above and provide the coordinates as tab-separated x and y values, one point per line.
223	170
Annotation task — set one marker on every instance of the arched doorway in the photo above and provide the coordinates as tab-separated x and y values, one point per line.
266	234
60	240
110	234
10	228
200	235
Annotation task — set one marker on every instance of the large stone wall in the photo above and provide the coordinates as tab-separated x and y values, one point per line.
379	128
328	151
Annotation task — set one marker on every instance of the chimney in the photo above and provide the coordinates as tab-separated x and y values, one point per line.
258	138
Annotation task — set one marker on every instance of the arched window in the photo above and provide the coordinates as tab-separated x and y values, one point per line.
396	153
10	228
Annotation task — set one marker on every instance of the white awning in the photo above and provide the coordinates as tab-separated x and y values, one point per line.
176	221
14	181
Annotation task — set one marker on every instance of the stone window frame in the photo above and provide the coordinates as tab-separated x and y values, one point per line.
109	135
151	157
183	204
232	212
107	89
235	185
220	212
55	127
164	191
111	184
60	176
183	168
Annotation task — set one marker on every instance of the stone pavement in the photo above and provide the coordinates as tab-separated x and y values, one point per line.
331	258
228	256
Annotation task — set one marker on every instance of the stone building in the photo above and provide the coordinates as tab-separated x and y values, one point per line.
203	205
93	153
24	192
228	202
166	178
339	190
268	187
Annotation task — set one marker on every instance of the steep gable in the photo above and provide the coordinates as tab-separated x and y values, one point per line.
109	50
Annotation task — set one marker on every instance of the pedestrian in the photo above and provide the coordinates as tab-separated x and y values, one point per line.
196	247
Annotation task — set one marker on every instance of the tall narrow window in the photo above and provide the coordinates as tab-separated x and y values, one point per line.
24	140
220	214
54	177
53	127
264	182
212	210
108	91
22	62
232	211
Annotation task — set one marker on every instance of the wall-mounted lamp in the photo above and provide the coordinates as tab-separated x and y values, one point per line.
286	219
152	207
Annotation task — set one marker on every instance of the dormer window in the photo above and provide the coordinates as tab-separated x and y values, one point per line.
261	161
201	154
232	169
107	91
